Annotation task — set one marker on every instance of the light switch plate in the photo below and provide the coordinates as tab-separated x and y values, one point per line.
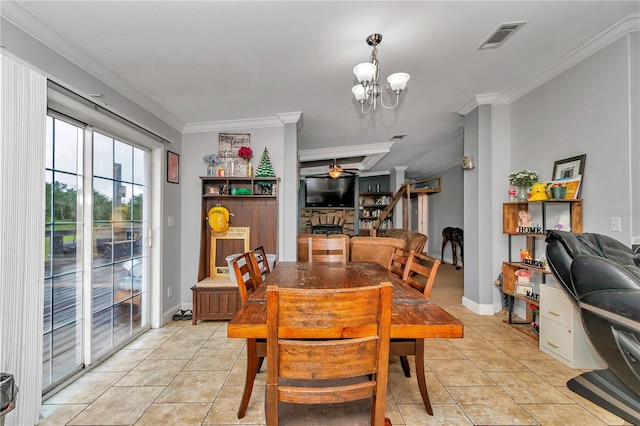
615	224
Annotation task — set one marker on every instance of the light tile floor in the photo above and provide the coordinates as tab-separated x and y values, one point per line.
194	375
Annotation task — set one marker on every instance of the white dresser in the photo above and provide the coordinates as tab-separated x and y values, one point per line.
561	332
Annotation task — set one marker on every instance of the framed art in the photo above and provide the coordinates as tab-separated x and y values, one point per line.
569	167
173	167
230	143
571	172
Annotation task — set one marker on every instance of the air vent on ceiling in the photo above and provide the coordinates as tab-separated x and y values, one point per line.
396	138
499	36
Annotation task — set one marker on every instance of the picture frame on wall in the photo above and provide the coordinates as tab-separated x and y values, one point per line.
569	167
571	171
173	167
230	143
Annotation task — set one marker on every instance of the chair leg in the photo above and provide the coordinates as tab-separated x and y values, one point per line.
422	383
260	361
404	362
253	365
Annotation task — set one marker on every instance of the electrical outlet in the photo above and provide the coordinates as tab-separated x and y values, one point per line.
615	224
168	292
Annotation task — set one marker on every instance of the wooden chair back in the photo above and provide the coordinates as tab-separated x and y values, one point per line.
420	272
398	262
262	262
328	250
328	334
247	274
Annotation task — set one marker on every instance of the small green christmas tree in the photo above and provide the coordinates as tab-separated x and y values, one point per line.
265	169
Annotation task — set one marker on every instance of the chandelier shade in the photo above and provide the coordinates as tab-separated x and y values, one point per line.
367	73
359	92
398	81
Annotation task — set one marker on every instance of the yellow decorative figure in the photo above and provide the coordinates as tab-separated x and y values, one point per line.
538	192
218	218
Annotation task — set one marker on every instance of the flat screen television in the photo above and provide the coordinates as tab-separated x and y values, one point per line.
329	192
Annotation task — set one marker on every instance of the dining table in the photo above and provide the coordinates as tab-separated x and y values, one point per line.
412	315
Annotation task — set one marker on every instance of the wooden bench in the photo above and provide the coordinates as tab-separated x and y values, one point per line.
215	298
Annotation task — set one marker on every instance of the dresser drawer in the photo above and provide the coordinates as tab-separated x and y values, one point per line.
555	305
556	338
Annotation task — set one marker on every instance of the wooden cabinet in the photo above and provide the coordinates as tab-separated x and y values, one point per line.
561	332
253	205
531	239
214	299
370	206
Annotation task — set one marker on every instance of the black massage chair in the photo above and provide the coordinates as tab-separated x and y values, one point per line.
601	276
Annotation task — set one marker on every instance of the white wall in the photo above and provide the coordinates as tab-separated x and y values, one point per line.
195	146
586	110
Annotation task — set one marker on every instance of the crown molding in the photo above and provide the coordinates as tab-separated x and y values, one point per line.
482	99
615	32
344	151
621	28
232	125
291	117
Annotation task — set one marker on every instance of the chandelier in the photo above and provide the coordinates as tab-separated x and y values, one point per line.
367	74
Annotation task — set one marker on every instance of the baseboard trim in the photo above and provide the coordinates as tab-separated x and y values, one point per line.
484	309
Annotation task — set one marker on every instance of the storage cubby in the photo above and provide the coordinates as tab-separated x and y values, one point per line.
531	238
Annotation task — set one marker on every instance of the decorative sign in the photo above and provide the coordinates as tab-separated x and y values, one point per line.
535	263
531	295
233	233
230	143
530	230
523	290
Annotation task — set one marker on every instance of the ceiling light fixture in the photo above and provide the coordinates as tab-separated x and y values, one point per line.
368	74
335	170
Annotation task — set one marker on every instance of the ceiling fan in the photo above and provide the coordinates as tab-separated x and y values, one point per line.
335	170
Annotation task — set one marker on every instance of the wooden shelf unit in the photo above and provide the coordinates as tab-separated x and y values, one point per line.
223	187
214	296
510	216
370	207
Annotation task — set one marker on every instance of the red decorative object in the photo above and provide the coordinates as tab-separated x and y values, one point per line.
245	153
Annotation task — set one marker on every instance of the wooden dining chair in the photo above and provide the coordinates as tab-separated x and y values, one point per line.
247	273
419	273
262	262
328	346
398	261
328	250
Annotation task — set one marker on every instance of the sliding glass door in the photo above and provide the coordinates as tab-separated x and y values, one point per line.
62	332
97	216
119	268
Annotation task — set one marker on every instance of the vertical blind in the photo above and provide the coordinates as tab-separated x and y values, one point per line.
23	97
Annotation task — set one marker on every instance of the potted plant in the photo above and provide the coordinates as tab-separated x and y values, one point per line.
523	180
